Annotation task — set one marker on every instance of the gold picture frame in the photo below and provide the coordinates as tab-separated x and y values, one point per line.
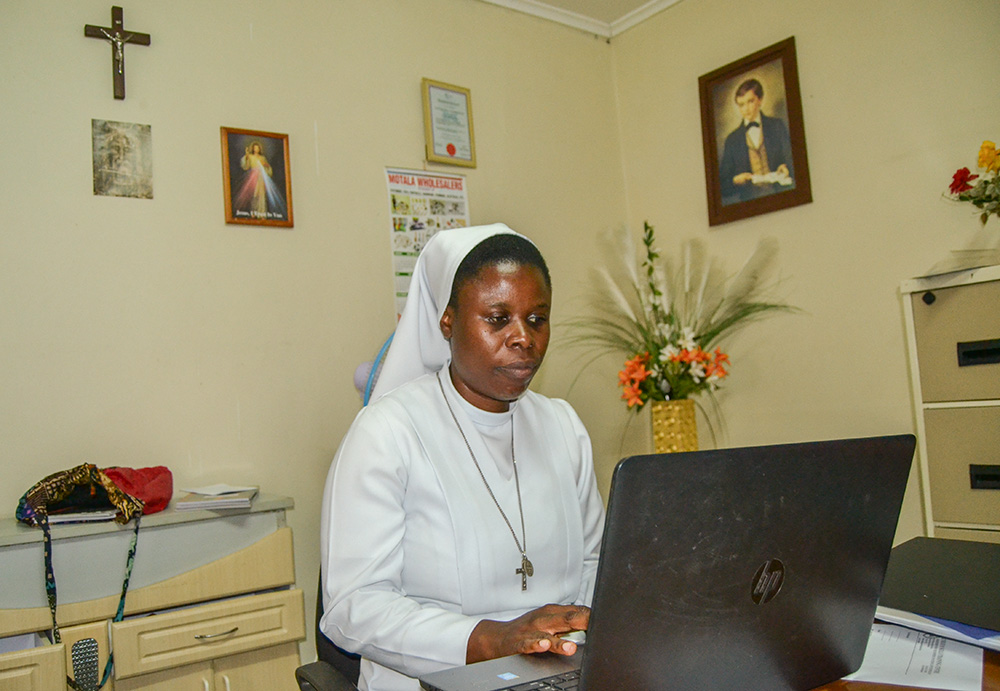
258	162
448	132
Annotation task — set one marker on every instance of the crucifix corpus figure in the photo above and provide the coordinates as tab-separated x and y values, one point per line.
117	37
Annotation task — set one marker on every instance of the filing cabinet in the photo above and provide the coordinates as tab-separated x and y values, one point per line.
952	326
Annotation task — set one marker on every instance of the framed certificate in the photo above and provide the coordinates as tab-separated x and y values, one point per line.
448	124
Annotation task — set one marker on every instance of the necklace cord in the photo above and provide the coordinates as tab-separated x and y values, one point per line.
517	482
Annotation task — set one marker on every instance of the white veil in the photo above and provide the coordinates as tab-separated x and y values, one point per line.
418	347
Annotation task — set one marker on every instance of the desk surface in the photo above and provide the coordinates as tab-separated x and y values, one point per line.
13	532
991	678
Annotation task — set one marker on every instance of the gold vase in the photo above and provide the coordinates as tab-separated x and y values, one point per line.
674	426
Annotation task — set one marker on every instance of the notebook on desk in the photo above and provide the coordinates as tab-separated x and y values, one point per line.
945	587
750	568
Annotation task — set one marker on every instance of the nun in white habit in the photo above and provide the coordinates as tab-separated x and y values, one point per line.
461	519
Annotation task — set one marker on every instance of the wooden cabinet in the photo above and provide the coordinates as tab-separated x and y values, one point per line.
261	670
953	336
39	669
211	605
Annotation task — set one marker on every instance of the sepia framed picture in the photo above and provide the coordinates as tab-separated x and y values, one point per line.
753	135
122	159
256	177
448	132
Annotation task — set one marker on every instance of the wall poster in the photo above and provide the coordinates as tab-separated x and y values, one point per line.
420	205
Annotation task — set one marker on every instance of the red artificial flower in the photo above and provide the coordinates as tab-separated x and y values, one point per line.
960	181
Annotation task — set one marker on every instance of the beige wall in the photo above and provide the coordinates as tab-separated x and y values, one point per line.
896	96
137	332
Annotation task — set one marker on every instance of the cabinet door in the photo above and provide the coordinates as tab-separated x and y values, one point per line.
196	677
270	669
39	669
97	630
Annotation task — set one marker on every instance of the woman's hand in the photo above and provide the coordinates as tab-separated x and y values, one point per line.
537	631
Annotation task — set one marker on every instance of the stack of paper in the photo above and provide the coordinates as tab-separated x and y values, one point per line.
216	497
901	657
984	638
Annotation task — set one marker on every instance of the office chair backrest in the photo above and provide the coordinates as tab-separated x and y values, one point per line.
348	664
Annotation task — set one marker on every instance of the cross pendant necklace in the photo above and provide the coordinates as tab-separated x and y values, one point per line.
527	570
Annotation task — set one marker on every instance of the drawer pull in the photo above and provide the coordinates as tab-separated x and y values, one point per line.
210	636
984	476
979	353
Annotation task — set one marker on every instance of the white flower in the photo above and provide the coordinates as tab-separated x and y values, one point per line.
687	341
697	372
669	351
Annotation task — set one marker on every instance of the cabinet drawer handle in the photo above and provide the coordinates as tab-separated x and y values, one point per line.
210	636
984	476
979	352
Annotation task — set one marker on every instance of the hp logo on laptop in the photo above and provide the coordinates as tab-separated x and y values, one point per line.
767	581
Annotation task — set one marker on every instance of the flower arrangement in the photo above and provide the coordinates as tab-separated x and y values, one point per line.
984	194
666	319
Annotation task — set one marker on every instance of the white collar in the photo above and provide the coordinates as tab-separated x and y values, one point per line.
479	417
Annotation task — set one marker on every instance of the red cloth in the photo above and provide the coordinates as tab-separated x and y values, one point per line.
154	486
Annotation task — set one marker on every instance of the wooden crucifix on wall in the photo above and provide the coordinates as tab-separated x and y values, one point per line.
117	37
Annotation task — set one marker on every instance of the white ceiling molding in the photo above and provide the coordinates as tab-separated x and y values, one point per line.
556	14
639	15
583	22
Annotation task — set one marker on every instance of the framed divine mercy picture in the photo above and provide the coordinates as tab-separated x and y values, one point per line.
257	177
448	131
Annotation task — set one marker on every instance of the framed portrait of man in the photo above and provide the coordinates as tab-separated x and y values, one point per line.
753	135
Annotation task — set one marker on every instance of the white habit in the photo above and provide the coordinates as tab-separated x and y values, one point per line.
416	553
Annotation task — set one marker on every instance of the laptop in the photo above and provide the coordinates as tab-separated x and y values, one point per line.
747	568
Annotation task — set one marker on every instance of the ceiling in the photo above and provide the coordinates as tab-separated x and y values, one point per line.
602	17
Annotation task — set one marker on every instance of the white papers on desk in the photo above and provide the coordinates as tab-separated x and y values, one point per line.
216	497
901	656
215	490
958	632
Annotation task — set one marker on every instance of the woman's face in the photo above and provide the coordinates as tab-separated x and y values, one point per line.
499	331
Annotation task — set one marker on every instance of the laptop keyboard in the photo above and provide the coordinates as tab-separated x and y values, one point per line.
557	682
